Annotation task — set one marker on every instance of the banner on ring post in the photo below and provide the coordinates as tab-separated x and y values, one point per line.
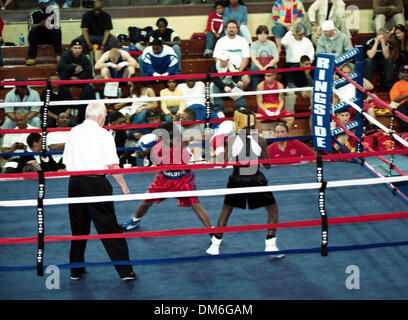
321	105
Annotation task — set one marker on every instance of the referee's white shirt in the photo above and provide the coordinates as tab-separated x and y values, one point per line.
89	147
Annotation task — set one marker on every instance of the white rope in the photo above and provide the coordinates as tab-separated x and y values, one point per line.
203	193
128	100
370	118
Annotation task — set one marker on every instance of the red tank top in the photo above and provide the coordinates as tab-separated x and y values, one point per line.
271	98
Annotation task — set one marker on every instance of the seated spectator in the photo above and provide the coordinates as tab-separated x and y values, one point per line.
322	10
16	142
168	38
237	11
35	163
214	29
152	117
264	54
349	91
399	96
399	44
56	139
172	109
299	79
297	45
5	5
135	112
285	14
159	60
40	33
378	58
96	25
287	148
192	87
74	63
333	40
387	14
226	84
272	104
347	141
91	91
22	93
238	49
198	112
58	93
116	64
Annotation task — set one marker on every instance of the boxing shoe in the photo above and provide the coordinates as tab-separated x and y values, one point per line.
132	223
214	248
270	246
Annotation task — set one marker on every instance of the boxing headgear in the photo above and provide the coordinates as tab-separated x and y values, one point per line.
244	118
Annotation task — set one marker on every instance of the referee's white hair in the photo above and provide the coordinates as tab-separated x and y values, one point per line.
95	109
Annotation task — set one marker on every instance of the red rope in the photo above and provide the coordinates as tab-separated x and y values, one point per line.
178	232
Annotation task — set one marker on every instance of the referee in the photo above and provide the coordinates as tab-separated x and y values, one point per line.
90	147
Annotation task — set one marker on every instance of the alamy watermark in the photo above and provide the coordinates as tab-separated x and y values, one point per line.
353	280
53	20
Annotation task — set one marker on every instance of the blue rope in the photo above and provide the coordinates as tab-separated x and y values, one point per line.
210	257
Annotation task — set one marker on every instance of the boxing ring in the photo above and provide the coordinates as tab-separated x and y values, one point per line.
342	227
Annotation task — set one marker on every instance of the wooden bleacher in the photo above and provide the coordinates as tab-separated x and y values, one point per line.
192	61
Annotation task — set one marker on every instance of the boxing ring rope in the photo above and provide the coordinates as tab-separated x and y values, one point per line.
303	186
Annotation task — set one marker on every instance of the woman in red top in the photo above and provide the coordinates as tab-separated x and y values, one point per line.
287	148
272	104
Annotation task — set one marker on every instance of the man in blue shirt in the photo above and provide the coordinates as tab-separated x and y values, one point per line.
159	60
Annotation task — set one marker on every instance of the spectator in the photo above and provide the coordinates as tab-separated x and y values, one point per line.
333	40
96	25
286	13
41	33
5	5
378	58
116	64
22	93
287	148
322	10
399	44
237	11
194	88
119	135
264	54
238	49
135	112
152	117
399	96
56	139
58	93
159	60
297	45
349	91
272	104
387	14
168	38
347	141
172	109
226	84
35	163
299	79
74	64
16	142
91	91
214	29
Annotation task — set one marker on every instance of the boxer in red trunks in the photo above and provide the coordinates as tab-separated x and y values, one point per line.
165	153
272	104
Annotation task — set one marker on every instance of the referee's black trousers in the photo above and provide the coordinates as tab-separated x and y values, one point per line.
103	216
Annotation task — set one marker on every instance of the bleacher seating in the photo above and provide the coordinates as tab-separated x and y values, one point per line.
192	61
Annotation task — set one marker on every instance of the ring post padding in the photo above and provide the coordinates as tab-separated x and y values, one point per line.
40	223
208	115
321	205
359	69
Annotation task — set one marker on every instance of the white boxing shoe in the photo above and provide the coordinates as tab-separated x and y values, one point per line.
214	248
270	246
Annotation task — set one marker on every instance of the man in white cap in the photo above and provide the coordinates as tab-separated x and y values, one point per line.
333	40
